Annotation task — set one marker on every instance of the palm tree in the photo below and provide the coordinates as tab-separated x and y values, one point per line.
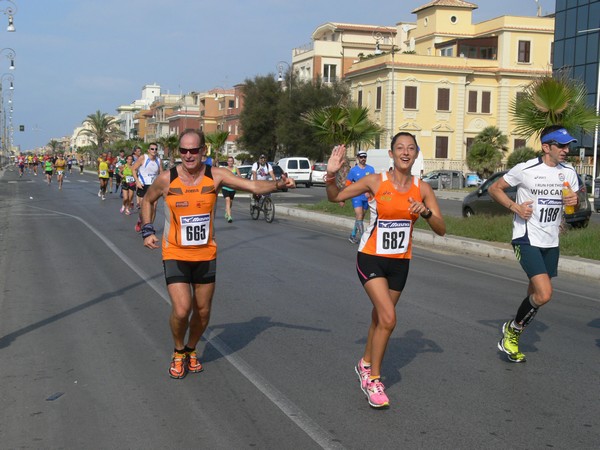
54	145
487	150
217	141
552	101
343	124
102	128
169	145
348	125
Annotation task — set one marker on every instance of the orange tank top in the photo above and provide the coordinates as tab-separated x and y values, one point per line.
189	216
389	233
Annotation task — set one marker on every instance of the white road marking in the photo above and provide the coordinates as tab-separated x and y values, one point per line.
294	413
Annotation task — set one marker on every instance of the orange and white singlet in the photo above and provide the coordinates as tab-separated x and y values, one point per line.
188	233
389	233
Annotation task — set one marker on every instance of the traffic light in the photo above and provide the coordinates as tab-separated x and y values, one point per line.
21	127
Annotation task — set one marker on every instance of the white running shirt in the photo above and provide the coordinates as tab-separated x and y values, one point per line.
543	185
148	170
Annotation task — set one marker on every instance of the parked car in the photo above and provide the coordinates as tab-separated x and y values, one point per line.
445	179
597	195
480	202
472	179
245	170
319	171
297	168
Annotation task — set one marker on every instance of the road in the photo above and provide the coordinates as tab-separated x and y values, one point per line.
85	344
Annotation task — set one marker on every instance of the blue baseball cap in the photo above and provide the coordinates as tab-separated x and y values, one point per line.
560	136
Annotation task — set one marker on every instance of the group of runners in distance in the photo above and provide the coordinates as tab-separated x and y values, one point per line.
396	200
51	163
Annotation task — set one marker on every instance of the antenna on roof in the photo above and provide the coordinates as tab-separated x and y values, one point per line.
539	8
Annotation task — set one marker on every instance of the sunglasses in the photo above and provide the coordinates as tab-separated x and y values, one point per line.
558	145
193	151
152	148
362	157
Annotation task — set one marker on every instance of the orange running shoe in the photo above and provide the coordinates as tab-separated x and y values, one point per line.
178	367
194	364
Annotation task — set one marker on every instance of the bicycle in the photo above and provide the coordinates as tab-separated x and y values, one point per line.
264	204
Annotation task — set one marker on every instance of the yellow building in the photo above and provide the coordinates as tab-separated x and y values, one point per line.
456	78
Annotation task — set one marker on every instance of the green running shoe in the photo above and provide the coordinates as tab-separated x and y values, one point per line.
509	343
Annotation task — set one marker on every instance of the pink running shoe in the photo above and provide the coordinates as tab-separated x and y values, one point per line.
122	209
363	373
376	395
138	226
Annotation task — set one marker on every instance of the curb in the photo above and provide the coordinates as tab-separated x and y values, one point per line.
576	266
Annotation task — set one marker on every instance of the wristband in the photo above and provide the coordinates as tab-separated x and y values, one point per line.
147	230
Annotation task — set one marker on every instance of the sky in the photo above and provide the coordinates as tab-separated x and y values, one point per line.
74	57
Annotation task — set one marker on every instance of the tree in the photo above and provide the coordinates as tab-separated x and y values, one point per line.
486	152
217	141
553	101
294	135
54	145
349	125
169	145
258	119
102	129
520	155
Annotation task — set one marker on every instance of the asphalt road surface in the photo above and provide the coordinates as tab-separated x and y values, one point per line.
85	344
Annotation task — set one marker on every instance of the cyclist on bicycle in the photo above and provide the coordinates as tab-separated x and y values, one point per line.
261	170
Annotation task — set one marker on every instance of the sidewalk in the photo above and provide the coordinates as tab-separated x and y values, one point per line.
577	266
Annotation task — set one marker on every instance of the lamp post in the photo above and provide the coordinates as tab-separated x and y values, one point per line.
10	54
595	144
3	126
9	11
378	35
280	77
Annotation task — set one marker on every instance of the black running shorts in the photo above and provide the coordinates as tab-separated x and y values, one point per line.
393	269
190	272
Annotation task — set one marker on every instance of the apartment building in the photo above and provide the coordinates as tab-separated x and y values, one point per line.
448	78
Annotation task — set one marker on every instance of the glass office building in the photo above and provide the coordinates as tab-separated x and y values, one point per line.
577	47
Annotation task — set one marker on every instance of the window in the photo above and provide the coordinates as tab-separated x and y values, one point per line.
304	164
359	100
448	51
378	101
329	75
441	147
469	144
519	143
410	97
443	103
231	104
486	97
524	51
472	107
473	102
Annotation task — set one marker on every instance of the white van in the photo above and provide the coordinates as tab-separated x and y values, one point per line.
297	168
379	159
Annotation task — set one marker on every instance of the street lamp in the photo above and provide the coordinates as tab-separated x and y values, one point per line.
595	145
378	35
10	11
3	126
280	77
10	54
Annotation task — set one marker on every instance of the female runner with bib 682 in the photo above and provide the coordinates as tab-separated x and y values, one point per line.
384	252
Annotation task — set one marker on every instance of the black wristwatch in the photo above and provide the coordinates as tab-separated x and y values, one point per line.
427	215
